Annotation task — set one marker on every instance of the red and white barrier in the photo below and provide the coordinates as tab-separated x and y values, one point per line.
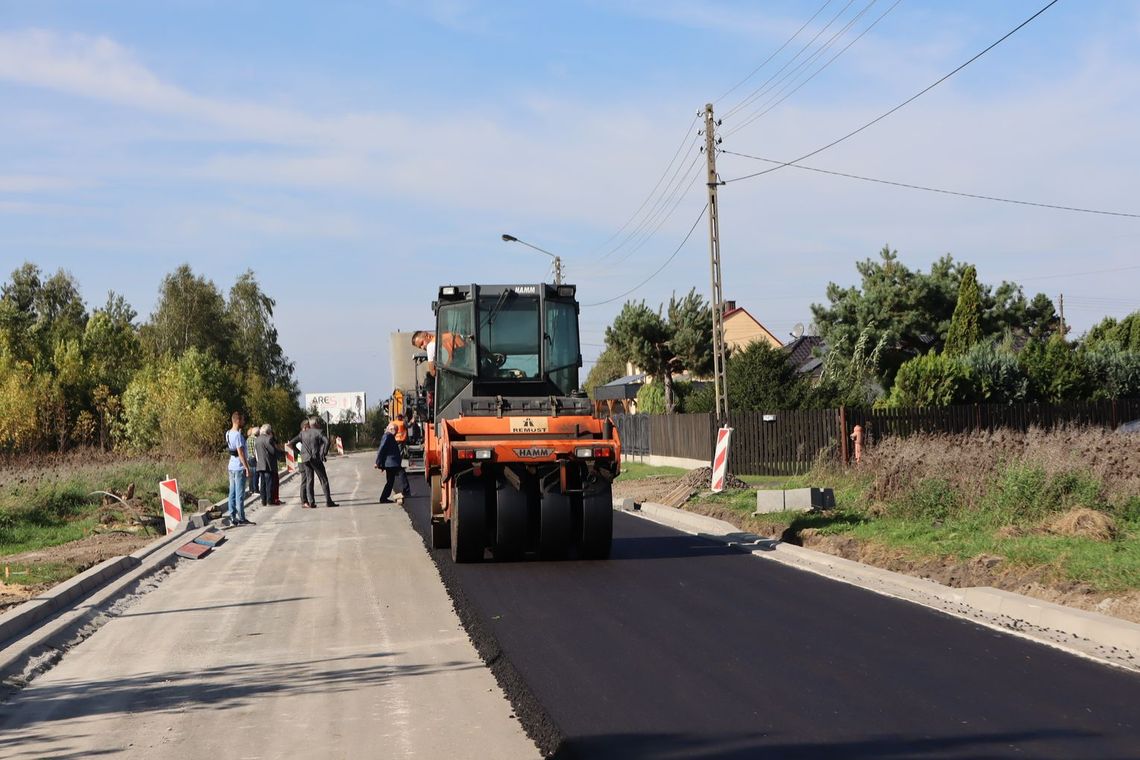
720	458
290	460
339	446
171	504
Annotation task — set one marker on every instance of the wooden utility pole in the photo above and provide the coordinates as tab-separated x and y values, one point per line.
720	378
1061	304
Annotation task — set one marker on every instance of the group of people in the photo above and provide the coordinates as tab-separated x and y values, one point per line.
254	458
253	463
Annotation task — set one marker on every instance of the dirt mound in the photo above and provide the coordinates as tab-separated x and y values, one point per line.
702	476
1087	523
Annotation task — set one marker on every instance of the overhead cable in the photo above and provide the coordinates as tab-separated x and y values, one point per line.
660	268
780	49
681	147
909	100
748	98
934	189
769	105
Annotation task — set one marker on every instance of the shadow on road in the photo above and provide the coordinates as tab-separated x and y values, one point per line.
216	689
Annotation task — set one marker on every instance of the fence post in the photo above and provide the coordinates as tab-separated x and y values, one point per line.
843	434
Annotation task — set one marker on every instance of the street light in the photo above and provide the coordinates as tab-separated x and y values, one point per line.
557	260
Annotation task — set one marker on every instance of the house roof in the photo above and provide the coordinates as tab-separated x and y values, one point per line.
622	388
801	351
740	310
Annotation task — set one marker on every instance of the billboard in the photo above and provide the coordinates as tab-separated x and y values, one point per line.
341	407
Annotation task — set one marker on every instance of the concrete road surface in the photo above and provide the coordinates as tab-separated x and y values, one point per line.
315	634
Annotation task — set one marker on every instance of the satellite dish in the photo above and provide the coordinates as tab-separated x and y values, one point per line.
798	330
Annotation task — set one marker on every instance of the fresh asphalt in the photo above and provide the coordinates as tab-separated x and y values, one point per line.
680	647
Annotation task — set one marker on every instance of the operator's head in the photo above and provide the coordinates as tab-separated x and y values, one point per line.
420	338
400	417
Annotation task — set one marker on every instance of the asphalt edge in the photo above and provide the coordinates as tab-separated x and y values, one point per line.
1099	637
529	710
36	634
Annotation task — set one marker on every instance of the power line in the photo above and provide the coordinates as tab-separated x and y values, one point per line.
660	268
682	191
934	189
672	161
748	99
787	42
1080	274
664	198
765	109
909	100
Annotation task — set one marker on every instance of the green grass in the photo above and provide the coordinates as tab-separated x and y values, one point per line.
637	471
51	504
930	519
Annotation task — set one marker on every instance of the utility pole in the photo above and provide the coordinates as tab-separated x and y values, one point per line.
720	378
1061	303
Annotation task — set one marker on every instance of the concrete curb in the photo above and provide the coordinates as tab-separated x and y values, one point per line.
1107	639
51	622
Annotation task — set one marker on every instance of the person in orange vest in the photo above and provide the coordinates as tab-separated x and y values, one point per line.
401	434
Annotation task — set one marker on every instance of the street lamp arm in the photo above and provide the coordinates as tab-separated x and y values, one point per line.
557	259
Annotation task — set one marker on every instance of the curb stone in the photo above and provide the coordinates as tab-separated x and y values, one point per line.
35	634
1089	634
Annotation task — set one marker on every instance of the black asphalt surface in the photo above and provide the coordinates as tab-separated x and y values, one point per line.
679	647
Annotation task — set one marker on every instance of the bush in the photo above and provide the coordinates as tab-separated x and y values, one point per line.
932	380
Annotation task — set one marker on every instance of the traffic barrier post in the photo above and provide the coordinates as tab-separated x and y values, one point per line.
171	504
720	459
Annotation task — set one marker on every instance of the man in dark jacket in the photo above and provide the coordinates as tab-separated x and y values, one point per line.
299	458
266	452
316	449
388	458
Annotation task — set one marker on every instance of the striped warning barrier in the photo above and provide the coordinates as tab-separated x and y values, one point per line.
720	458
339	446
171	504
290	460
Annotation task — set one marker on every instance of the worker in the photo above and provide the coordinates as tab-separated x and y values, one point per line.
401	434
423	339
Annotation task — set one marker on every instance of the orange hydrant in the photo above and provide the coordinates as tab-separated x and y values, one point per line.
857	437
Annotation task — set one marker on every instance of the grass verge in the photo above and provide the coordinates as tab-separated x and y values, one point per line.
52	502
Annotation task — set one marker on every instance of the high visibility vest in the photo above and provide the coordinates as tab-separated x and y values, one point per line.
401	434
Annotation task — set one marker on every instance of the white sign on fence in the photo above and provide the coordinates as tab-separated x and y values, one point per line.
341	407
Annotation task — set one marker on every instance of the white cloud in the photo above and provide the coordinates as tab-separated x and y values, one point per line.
38	183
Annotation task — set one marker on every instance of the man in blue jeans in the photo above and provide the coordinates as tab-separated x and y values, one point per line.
239	471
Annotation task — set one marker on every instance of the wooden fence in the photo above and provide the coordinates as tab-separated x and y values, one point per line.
790	442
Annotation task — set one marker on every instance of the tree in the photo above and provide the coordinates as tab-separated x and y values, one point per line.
255	338
912	311
609	367
965	325
35	313
191	313
761	379
1124	334
690	321
643	335
1055	371
111	345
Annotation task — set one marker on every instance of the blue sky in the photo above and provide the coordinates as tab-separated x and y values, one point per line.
356	155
